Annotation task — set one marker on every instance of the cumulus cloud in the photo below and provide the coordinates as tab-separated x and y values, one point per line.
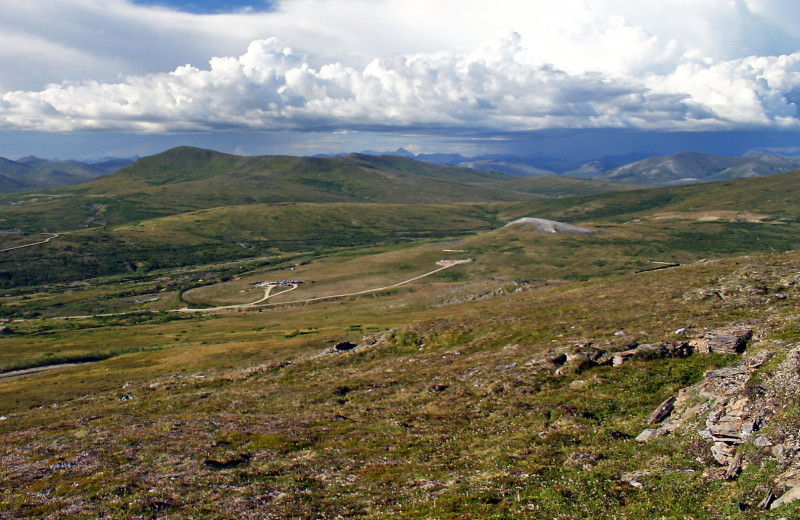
426	65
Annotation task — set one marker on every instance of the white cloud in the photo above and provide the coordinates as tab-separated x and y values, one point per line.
384	64
48	41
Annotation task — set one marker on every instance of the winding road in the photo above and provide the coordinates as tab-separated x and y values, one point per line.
267	295
54	235
444	264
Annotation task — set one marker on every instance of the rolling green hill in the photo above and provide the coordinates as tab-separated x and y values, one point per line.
772	195
189	179
557	186
188	206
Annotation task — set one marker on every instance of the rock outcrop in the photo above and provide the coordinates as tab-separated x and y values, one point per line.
551	226
579	358
732	406
729	340
719	402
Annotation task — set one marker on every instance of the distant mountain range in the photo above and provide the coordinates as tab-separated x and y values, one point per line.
669	170
692	167
515	165
33	173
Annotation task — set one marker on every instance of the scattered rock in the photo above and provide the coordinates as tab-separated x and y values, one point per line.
714	474
663	411
729	340
733	371
507	367
735	468
345	346
762	441
437	388
620	358
726	345
631	482
232	462
652	351
788	497
728	407
632	479
576	365
651	433
616	434
767	502
550	360
584	459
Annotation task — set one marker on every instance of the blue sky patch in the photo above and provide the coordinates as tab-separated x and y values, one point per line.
209	6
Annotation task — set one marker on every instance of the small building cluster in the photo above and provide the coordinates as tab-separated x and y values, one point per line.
280	283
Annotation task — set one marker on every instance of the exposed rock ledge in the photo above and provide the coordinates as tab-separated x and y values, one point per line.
551	226
731	406
579	358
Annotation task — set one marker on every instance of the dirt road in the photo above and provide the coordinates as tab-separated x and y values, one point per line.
16	374
444	264
54	235
267	295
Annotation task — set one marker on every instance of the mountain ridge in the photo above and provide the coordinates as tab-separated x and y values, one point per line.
693	167
34	173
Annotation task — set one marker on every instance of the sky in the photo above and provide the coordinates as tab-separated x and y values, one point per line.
574	79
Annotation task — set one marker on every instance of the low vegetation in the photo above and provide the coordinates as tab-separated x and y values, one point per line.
487	390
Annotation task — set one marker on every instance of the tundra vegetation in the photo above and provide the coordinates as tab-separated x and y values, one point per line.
647	370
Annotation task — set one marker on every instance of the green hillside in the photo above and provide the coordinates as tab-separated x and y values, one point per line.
233	232
772	196
189	179
558	186
720	218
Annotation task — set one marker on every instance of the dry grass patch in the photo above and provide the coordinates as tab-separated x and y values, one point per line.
714	216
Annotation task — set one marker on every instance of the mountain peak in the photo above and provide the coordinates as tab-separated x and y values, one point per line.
32	159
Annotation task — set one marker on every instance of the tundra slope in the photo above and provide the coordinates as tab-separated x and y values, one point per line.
451	416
